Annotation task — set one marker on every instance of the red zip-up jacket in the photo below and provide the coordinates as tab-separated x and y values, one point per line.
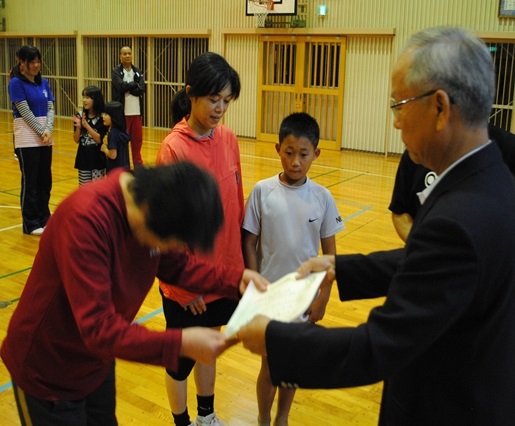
88	281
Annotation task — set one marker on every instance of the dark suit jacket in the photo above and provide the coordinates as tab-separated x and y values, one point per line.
444	340
506	143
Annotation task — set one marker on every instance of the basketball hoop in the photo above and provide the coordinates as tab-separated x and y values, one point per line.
261	9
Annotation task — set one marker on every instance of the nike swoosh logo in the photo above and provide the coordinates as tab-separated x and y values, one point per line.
312	220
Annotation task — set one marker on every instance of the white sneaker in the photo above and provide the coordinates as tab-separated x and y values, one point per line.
210	420
37	231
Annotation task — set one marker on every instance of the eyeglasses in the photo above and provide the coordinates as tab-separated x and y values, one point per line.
394	105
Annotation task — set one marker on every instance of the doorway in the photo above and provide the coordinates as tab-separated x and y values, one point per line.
301	74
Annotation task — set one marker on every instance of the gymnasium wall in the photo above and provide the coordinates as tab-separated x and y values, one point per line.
366	121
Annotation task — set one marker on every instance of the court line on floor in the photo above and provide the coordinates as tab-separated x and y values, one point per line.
10	227
10	274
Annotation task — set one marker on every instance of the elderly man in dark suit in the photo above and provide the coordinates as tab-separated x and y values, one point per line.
444	339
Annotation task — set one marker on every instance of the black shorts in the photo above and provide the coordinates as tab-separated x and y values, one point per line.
217	314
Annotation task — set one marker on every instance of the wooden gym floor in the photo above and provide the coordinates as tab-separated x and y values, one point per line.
361	185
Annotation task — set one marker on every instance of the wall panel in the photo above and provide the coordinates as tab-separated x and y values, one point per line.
366	112
241	53
365	124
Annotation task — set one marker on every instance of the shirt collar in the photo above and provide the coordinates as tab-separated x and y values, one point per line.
207	135
422	196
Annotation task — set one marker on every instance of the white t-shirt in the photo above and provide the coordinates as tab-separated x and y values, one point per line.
131	101
290	221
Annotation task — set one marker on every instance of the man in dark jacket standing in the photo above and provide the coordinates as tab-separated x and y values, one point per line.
443	342
128	88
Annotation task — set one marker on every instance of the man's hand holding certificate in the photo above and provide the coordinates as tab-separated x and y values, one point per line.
287	300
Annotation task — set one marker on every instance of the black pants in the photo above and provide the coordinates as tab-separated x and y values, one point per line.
96	409
36	184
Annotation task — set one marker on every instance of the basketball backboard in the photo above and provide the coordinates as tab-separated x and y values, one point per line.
281	7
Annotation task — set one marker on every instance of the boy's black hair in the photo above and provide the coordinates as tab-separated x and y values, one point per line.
300	124
208	75
182	201
115	111
95	93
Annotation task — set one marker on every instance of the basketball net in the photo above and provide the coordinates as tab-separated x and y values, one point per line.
263	9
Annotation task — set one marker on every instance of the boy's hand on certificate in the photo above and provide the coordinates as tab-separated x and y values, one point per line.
259	280
318	264
317	309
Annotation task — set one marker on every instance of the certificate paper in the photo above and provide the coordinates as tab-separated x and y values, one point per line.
287	299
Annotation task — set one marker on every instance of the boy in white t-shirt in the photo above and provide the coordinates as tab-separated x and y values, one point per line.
287	218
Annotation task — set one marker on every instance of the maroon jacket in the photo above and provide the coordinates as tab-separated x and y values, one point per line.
88	281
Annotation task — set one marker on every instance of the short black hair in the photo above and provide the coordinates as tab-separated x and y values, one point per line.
300	124
115	111
182	200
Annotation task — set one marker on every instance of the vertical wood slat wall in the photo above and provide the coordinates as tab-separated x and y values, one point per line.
325	65
366	114
163	61
504	59
366	123
279	57
168	68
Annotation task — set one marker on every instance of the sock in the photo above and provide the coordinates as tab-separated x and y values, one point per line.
182	419
205	405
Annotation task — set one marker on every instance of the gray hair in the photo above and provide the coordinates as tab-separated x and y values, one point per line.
457	62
